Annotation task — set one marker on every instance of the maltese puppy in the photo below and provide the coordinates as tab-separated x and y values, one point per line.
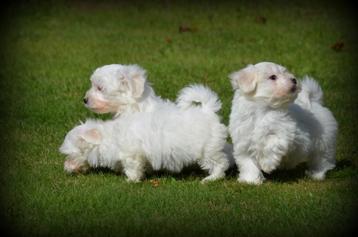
277	123
124	89
120	89
169	138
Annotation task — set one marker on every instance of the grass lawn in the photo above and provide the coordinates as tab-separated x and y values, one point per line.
49	50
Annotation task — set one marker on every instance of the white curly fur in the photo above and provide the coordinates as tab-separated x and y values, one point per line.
199	94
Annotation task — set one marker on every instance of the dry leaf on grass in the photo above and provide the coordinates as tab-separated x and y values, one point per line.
154	182
338	46
184	28
261	20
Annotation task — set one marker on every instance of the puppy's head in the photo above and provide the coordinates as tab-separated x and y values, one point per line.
114	87
81	140
266	82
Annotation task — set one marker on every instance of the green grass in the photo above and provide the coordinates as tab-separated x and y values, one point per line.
49	50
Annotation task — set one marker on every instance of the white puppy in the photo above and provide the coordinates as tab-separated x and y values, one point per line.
168	138
124	89
120	89
277	123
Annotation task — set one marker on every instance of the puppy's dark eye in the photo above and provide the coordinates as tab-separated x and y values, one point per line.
99	88
273	77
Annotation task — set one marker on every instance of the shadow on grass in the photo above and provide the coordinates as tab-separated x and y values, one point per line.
344	168
343	164
287	176
195	173
188	173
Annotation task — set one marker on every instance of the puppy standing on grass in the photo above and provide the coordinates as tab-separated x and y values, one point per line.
124	89
275	125
168	138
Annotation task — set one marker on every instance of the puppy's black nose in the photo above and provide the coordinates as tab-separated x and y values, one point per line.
85	100
294	88
294	80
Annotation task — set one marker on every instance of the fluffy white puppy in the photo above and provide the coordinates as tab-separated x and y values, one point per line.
120	89
277	123
168	138
124	89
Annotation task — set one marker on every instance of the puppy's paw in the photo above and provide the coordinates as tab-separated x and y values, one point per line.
131	180
316	175
250	179
211	178
268	165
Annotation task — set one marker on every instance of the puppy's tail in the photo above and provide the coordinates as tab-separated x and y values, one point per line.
199	95
310	93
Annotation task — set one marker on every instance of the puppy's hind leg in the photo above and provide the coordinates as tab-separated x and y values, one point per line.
320	164
214	158
216	164
133	167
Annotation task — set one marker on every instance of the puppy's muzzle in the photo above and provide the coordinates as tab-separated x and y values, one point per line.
85	100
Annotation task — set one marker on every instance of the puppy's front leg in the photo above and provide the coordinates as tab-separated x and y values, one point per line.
133	166
275	148
249	170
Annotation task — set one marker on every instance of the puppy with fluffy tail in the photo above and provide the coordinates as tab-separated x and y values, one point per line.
278	122
124	89
169	138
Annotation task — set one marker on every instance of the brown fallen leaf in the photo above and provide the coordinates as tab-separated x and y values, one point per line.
338	46
168	40
183	29
154	182
261	19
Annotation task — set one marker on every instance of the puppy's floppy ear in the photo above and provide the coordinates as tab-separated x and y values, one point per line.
124	83
133	80
92	136
138	79
245	79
